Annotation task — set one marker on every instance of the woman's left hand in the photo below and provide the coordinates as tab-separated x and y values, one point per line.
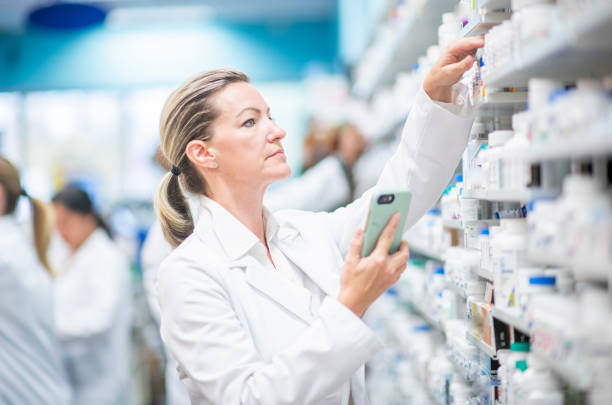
456	59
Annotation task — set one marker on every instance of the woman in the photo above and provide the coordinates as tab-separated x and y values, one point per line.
31	370
93	303
265	309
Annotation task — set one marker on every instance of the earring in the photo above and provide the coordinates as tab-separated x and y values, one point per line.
214	165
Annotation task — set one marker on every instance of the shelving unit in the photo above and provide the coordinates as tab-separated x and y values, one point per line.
484	273
511	318
456	289
420	248
494	4
573	50
481	345
482	22
592	146
577	376
452	223
412	40
499	195
583	49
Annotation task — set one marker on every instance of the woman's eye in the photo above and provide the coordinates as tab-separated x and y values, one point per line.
249	123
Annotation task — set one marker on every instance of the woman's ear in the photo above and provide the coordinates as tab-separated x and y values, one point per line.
201	154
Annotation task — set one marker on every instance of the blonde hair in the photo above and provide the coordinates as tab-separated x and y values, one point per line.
187	115
41	226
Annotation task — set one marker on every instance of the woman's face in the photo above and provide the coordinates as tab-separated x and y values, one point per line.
74	227
246	141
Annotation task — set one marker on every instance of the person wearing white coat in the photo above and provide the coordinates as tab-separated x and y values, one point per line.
92	302
31	368
261	308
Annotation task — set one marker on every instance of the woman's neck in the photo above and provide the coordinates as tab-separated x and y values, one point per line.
245	204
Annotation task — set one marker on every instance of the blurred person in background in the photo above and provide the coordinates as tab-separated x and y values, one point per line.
92	302
266	308
327	184
31	368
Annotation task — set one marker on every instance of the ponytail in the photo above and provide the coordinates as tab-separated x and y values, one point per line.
173	211
41	226
41	230
187	115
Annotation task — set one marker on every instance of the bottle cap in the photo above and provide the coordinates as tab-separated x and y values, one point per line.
520	347
542	280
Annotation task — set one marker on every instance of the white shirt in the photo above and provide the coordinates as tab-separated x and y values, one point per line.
93	317
243	332
31	368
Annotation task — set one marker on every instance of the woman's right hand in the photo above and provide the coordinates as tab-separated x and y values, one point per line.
364	279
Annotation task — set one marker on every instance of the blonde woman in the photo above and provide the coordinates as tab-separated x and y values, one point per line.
31	370
261	308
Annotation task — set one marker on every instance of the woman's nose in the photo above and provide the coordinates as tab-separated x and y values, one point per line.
275	132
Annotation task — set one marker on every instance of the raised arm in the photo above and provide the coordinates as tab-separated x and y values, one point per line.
433	138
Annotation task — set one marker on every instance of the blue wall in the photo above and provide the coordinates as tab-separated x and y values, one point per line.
111	58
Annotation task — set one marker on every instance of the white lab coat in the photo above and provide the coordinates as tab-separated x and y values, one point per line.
31	369
93	317
243	334
323	187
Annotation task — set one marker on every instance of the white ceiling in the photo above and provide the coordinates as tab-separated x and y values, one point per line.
13	13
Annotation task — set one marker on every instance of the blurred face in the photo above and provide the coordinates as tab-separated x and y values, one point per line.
74	227
246	141
350	144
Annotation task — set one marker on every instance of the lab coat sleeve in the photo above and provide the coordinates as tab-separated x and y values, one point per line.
433	139
205	335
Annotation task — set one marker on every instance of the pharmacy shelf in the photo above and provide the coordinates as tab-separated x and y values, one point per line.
511	317
480	344
460	370
484	273
459	291
460	224
412	41
582	49
583	147
421	249
435	323
577	376
483	22
499	195
583	268
494	4
502	102
452	223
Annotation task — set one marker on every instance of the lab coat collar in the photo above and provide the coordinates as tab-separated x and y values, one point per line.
235	238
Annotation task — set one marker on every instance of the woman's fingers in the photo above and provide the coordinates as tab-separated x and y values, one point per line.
465	46
397	261
386	236
354	252
457	69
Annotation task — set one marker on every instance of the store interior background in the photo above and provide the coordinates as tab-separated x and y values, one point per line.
81	102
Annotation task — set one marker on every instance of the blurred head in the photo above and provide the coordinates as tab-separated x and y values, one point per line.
10	191
350	144
215	126
75	216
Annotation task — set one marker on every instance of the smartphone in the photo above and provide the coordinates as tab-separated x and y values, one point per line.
384	204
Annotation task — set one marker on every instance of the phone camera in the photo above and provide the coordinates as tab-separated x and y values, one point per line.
386	199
